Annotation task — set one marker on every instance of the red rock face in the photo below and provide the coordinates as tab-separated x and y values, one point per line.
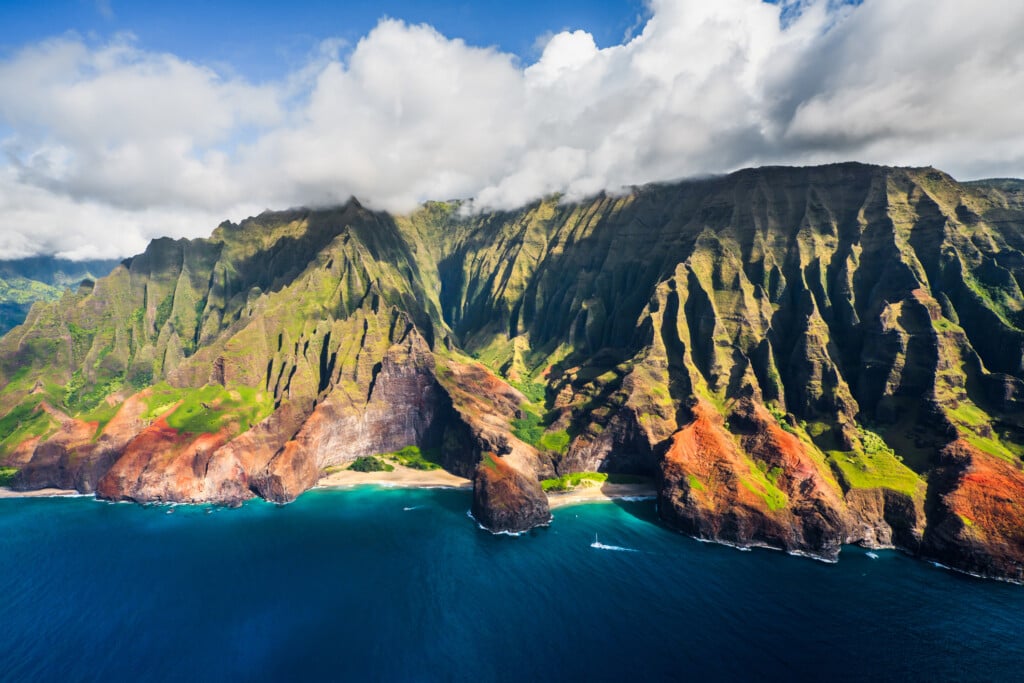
507	500
162	464
701	493
22	454
74	458
815	499
233	466
54	461
292	471
406	407
710	490
976	513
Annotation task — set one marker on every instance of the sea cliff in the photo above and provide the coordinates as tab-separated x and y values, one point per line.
800	357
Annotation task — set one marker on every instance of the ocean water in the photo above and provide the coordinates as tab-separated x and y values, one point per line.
399	585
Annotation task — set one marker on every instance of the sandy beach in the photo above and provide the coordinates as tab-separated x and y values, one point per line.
605	493
402	477
41	493
406	477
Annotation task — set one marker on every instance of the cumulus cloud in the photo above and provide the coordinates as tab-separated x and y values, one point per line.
106	146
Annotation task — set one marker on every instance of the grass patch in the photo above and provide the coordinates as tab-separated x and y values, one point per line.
972	419
772	474
569	482
208	410
101	414
533	391
877	466
529	428
821	433
780	417
761	483
163	313
370	463
992	446
80	397
773	498
7	475
557	442
969	415
25	421
695	483
19	415
161	400
413	457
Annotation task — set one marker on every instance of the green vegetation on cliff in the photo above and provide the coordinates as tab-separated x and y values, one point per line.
875	465
208	409
569	482
7	475
413	457
24	282
796	303
26	421
531	429
370	463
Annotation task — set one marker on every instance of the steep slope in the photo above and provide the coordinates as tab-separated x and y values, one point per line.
802	357
26	281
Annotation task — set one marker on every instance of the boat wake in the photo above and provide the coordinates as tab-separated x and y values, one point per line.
873	556
412	507
602	546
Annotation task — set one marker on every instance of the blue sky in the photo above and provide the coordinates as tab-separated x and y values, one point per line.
262	39
125	121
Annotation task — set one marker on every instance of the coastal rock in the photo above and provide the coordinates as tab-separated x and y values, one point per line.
406	407
292	471
883	518
774	496
161	464
507	500
74	458
54	463
976	515
803	357
232	469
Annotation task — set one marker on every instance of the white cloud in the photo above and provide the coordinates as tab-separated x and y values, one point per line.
111	145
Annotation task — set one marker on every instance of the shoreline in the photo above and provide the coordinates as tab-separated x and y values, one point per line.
400	477
6	492
408	478
606	493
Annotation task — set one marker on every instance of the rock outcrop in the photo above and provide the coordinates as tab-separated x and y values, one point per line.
976	517
505	499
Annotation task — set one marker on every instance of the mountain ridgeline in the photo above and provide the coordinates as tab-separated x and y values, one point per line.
801	358
41	278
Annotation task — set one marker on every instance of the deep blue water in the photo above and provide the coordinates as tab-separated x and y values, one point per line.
356	585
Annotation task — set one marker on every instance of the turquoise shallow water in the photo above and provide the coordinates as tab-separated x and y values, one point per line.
399	585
